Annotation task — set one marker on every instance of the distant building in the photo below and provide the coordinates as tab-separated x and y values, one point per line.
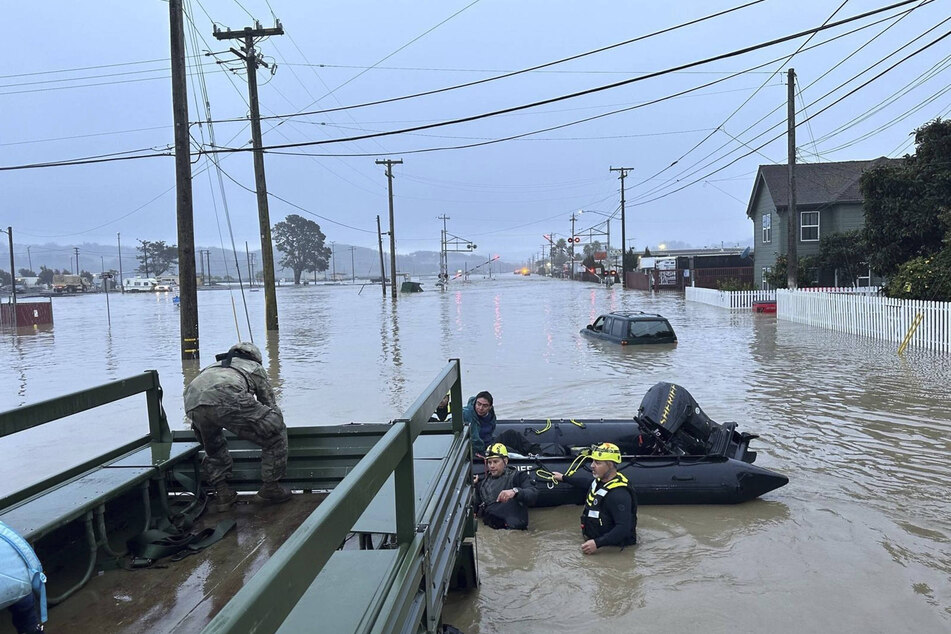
828	200
673	269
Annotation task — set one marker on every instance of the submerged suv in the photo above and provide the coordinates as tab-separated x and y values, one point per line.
631	328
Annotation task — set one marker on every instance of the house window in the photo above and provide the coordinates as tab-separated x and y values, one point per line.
766	271
767	228
809	226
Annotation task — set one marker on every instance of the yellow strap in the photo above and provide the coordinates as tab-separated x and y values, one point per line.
547	427
576	464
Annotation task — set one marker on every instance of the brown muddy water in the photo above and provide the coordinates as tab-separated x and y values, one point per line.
858	541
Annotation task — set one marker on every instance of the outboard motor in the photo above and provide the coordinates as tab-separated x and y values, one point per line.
671	414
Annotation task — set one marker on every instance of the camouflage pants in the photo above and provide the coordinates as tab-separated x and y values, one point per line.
249	420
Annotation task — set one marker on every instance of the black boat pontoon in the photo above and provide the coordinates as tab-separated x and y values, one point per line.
673	453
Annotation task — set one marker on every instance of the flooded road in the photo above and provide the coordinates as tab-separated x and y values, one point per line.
856	542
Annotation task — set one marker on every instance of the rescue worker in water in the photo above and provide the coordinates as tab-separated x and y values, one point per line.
235	394
503	494
609	517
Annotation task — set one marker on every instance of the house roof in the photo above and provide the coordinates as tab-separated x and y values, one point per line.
816	183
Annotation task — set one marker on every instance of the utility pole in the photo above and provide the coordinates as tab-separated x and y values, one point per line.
188	290
247	253
443	254
252	60
13	278
353	271
623	171
76	252
201	254
333	261
573	245
379	236
29	258
389	183
792	224
121	281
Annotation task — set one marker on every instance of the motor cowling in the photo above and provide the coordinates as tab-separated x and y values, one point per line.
671	414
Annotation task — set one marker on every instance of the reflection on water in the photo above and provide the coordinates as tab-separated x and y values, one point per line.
862	434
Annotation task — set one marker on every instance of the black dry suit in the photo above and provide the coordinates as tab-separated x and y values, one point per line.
610	510
511	514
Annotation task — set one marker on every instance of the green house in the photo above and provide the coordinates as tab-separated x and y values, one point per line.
828	201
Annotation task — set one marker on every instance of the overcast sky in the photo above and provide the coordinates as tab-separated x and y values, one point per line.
85	79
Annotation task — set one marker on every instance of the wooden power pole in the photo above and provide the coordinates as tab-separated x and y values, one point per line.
389	183
250	56
188	286
792	224
623	171
379	237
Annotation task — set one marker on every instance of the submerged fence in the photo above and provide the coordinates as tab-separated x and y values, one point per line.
870	316
854	311
731	300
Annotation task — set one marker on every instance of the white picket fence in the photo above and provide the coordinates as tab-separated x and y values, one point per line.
731	300
870	316
856	311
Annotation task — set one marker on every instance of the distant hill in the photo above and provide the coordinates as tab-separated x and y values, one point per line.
94	257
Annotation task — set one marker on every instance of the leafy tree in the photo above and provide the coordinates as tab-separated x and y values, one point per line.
592	247
156	257
630	260
845	252
924	277
560	255
5	278
46	275
86	275
302	243
777	278
906	205
647	252
26	272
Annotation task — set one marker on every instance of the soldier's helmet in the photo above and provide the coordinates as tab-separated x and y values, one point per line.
247	349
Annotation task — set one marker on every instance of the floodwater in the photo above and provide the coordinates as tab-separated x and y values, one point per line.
858	541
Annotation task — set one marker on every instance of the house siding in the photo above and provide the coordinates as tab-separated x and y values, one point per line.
764	253
832	189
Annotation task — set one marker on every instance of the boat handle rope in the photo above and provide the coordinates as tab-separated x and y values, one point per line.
543	473
547	427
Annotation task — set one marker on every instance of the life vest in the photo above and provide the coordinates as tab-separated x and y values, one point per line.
592	524
20	571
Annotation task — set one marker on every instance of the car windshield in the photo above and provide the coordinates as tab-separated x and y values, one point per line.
653	328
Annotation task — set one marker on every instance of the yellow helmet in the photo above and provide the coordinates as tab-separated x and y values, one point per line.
607	452
498	450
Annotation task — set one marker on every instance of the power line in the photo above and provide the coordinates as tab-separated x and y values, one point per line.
581	93
850	93
513	73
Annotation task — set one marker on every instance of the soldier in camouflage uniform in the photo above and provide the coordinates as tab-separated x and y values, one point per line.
235	394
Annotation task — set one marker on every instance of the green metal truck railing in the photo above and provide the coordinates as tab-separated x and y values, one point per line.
29	416
264	603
